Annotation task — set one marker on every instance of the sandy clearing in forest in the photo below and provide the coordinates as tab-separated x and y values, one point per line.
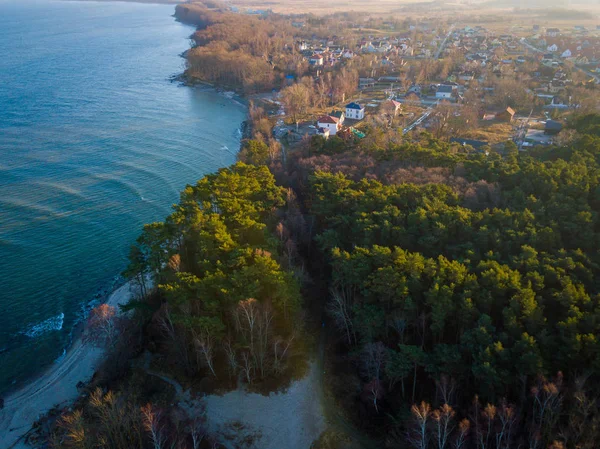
56	387
291	419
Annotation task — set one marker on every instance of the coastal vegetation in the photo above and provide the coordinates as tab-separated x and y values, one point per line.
457	288
448	293
241	52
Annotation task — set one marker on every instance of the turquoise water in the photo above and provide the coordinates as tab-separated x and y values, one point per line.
95	141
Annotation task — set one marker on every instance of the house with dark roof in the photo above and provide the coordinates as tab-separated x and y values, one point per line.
355	111
444	92
552	127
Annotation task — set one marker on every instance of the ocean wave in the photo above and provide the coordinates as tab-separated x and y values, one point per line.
51	324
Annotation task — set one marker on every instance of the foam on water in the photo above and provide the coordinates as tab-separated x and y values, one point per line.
93	144
54	323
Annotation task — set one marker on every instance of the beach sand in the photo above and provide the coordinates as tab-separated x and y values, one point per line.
56	387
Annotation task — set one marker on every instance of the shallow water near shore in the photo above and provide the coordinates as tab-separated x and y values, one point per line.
95	141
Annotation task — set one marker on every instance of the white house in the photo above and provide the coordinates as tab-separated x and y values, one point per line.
552	47
566	54
444	91
332	124
552	32
316	59
355	111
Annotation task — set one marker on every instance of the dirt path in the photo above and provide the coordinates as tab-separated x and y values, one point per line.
292	419
56	387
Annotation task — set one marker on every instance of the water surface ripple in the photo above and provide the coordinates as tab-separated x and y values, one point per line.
94	141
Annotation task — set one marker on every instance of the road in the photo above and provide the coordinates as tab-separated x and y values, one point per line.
418	121
439	52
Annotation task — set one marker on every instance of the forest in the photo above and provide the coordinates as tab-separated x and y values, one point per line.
463	287
246	53
456	289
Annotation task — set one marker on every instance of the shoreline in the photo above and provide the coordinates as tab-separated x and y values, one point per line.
56	386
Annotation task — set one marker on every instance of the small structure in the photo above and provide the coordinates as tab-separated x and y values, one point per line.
391	107
444	92
357	133
506	115
355	111
332	124
366	82
316	60
323	132
552	127
552	32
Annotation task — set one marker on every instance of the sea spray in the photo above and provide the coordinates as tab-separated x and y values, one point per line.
54	323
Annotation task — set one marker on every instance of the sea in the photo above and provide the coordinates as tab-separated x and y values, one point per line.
96	139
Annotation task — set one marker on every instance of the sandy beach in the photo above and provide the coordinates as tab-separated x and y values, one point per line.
56	387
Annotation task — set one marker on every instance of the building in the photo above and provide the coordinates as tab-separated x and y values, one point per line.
391	107
506	115
365	82
552	32
355	111
331	124
552	127
323	132
444	92
316	60
339	115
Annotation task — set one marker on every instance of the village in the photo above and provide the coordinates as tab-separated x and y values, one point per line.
468	84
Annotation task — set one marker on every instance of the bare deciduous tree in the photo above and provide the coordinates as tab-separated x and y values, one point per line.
418	436
151	419
102	325
443	422
338	308
463	431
